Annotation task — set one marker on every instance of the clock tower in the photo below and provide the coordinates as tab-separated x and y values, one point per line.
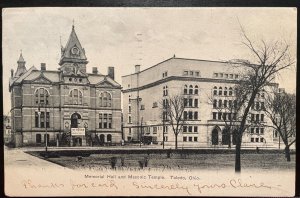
73	60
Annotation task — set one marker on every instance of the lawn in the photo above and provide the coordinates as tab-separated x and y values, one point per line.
262	161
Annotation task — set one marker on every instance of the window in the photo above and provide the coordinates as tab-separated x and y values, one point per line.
105	99
191	89
214	115
230	103
216	75
185	89
257	106
219	116
197	73
38	138
184	139
195	129
129	120
231	75
40	119
185	115
226	75
220	91
185	73
225	91
196	103
220	103
230	91
154	130
257	130
236	76
224	116
229	116
165	138
252	139
252	117
190	115
105	121
190	129
109	138
261	139
196	115
190	102
184	128
225	103
262	106
234	116
195	139
185	102
155	105
256	139
142	107
75	97
215	91
262	117
252	130
257	117
196	90
191	73
221	75
190	139
41	96
129	109
262	131
215	103
165	90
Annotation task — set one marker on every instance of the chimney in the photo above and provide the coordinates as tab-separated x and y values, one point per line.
111	72
95	70
11	73
137	68
43	66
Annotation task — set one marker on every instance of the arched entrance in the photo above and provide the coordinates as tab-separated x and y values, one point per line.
214	137
75	117
74	120
225	137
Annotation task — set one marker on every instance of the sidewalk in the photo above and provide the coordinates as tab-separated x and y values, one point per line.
18	158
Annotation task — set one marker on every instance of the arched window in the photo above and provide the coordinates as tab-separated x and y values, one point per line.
191	89
215	91
225	91
41	96
230	91
105	99
214	137
185	89
196	89
75	97
220	91
109	137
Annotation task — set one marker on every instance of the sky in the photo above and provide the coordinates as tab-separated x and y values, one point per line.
124	37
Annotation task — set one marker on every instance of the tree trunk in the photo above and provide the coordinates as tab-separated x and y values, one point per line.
176	141
287	153
238	156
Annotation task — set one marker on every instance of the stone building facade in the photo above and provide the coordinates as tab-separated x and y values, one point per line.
65	107
207	88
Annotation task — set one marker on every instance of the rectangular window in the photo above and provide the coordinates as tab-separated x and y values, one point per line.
226	75
221	75
184	139
185	73
191	73
214	115
190	115
190	139
195	129
42	120
190	129
256	139
195	139
129	131
129	119
105	120
224	116
197	73
129	109
252	117
231	75
215	104
166	74
216	75
252	130
47	119
36	119
185	115
252	139
142	107
257	130
257	117
100	121
236	76
154	130
262	130
196	115
261	139
184	128
262	117
185	102
263	106
219	116
190	102
109	121
196	103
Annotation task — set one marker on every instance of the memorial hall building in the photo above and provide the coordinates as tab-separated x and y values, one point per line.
208	88
67	106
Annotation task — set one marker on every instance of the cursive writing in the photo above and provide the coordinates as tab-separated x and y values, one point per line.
28	184
109	184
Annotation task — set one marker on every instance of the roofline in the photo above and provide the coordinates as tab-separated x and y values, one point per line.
176	58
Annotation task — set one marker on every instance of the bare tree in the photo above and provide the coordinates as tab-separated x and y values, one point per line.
172	111
269	59
282	112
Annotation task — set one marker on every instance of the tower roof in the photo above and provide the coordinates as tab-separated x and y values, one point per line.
73	51
21	59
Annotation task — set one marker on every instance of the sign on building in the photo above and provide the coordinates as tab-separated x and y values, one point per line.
77	131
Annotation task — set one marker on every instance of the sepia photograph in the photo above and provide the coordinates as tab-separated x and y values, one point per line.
140	101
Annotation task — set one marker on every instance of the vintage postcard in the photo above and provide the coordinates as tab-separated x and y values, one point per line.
149	101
